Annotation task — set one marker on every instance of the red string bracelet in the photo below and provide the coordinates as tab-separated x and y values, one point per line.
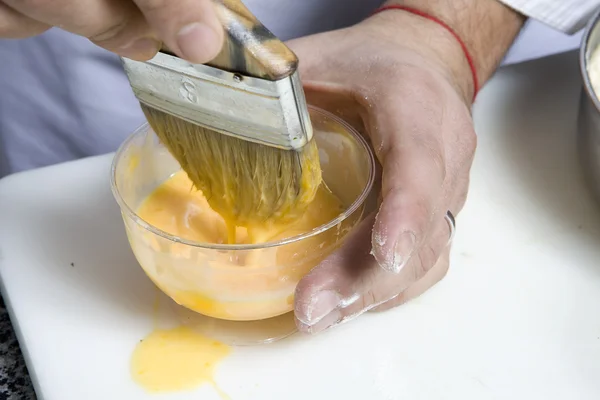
449	29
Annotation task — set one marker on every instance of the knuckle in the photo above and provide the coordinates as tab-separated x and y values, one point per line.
421	212
432	146
368	299
380	289
417	213
114	32
426	259
155	6
377	291
438	161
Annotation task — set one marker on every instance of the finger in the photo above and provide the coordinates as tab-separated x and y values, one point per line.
409	142
14	25
116	25
189	27
350	281
456	198
433	276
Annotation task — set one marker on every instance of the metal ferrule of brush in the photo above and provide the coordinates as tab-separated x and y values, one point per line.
272	113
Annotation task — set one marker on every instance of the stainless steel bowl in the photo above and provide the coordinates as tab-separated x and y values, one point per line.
589	109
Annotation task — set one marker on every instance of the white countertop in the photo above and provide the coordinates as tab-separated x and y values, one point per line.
517	317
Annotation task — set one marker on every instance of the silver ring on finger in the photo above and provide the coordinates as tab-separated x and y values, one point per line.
451	225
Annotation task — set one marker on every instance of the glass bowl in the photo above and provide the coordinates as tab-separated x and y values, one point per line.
239	293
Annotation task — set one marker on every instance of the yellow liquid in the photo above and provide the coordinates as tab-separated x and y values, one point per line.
181	359
176	359
177	208
246	182
233	285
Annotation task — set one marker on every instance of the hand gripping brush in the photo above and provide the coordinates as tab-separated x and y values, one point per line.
239	125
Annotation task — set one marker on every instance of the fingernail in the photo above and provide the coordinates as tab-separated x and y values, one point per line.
198	42
141	49
322	304
403	251
326	322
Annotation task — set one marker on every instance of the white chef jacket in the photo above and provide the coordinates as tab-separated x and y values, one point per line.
62	98
565	15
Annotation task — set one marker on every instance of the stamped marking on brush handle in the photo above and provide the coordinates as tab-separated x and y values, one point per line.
188	90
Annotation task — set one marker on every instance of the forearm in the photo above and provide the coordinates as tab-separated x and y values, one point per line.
487	28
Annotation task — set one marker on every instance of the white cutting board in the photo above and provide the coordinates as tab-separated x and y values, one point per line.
517	317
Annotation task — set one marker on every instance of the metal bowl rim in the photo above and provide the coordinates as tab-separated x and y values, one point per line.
583	63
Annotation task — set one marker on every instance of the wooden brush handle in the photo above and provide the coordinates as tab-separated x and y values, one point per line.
249	48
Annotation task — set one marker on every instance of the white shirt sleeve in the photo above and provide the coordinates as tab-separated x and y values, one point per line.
568	16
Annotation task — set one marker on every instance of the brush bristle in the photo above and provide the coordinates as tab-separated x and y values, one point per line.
243	181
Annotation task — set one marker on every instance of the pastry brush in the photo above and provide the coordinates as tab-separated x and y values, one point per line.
239	125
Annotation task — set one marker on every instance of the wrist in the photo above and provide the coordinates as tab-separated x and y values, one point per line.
438	48
465	38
